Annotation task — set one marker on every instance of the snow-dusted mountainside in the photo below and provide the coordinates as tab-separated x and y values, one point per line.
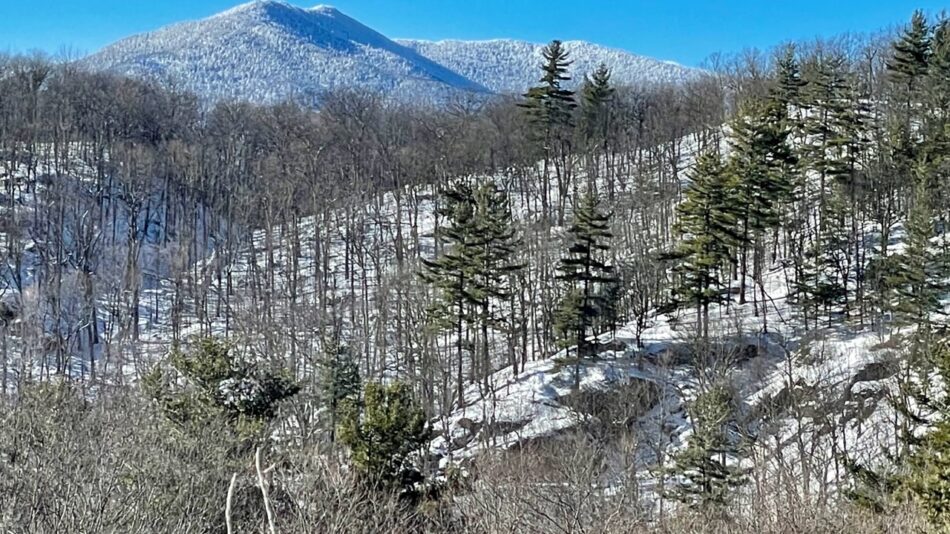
511	66
266	51
269	50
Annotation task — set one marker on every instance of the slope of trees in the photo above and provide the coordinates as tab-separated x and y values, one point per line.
421	251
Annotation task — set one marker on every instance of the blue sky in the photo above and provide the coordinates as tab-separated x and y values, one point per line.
682	30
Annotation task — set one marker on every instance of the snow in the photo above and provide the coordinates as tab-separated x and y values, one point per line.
269	51
511	66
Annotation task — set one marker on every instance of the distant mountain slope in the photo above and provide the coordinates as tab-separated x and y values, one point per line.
511	66
265	51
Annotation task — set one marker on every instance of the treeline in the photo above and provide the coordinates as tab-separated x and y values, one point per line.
113	187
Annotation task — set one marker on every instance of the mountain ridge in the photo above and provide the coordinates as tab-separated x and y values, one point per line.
267	51
520	60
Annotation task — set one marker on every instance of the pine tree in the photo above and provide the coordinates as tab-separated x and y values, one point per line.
550	105
493	249
917	275
210	386
340	380
384	433
935	152
788	85
550	111
837	140
707	230
585	270
927	458
764	164
706	470
596	94
453	272
912	52
938	71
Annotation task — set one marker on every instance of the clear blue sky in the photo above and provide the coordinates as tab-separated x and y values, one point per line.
682	30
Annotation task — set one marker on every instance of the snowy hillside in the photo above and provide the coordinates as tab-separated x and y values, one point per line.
511	66
267	51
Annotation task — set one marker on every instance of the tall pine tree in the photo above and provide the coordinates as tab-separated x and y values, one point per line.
550	111
707	230
586	271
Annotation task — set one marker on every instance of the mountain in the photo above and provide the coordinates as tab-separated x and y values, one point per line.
266	51
511	66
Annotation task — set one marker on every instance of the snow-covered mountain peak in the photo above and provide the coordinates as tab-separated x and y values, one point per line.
270	50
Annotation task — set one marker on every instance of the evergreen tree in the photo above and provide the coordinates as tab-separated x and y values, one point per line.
706	470
764	164
586	271
788	84
549	104
836	127
550	111
340	380
938	72
707	229
210	386
917	275
595	119
912	50
493	249
384	433
927	474
452	273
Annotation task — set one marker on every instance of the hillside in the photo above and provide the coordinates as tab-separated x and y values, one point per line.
266	51
511	66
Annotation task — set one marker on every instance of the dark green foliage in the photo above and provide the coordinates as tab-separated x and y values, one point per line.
912	52
340	380
707	227
706	471
549	105
569	317
917	276
383	433
596	95
788	86
764	164
585	270
210	385
493	260
927	478
452	273
474	272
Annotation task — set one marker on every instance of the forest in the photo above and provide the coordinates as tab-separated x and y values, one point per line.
712	306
